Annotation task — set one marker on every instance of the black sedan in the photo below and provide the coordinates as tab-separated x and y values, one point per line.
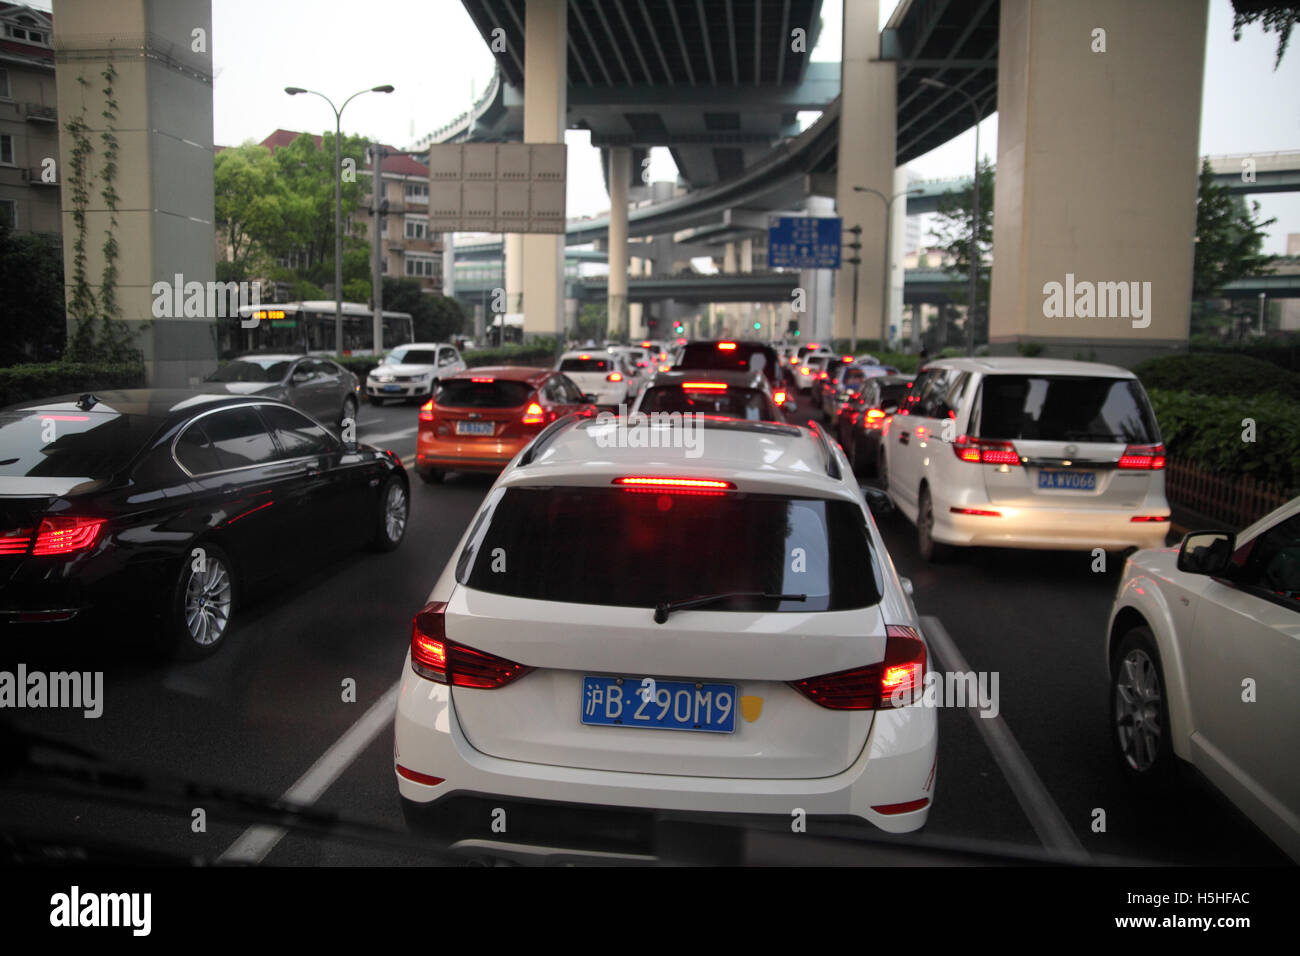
178	505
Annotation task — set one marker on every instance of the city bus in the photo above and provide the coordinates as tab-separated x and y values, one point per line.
309	327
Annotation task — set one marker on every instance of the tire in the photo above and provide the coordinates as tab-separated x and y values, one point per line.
376	401
392	515
431	476
349	410
931	550
1139	712
200	617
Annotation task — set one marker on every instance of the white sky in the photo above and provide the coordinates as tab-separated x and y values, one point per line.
430	51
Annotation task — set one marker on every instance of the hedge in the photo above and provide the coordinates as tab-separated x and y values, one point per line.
1280	350
541	353
1208	429
1225	374
25	383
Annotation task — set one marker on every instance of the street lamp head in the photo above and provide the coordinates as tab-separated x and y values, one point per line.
856	230
386	88
294	90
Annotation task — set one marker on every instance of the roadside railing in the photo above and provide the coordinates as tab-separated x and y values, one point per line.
1236	500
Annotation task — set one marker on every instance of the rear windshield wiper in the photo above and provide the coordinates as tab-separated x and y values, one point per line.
667	607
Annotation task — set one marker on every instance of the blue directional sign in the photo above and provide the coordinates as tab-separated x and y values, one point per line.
803	242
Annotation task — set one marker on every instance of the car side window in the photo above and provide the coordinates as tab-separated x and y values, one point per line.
298	436
195	451
239	437
917	392
573	394
948	403
302	371
1270	563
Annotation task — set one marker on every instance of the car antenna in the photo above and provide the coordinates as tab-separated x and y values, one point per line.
87	401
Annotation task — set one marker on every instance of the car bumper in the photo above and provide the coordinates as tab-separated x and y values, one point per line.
467	454
895	767
1056	529
398	390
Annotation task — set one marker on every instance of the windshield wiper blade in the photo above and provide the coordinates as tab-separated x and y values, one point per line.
665	608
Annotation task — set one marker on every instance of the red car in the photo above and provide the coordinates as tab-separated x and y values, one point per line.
478	420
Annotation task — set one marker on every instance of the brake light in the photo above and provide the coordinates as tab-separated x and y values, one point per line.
645	345
614	377
977	512
1143	457
483	381
533	414
779	398
584	356
874	416
426	411
1149	518
705	386
805	371
823	375
436	658
66	535
894	682
427	779
846	358
664	368
985	451
648	482
15	541
727	346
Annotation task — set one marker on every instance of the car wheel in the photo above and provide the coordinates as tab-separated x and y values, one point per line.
202	605
930	549
393	515
1139	711
431	476
376	401
349	410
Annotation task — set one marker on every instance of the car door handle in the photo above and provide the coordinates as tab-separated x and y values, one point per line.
903	438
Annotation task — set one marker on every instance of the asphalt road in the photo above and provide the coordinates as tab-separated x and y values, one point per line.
268	715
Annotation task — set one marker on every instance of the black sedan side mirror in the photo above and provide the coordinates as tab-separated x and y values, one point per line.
1207	552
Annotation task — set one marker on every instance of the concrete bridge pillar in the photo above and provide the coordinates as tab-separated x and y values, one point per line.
620	172
545	104
1099	109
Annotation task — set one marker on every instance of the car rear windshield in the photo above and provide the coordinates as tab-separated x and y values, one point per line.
585	365
732	402
70	444
707	355
538	544
464	393
1064	408
412	357
251	370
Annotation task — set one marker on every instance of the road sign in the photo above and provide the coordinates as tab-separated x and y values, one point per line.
803	242
497	187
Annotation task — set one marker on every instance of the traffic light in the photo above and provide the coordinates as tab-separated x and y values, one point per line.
679	328
792	328
757	326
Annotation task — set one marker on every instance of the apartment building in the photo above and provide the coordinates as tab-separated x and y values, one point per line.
29	123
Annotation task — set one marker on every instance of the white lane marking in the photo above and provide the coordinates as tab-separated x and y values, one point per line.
257	841
1043	813
391	436
408	461
373	421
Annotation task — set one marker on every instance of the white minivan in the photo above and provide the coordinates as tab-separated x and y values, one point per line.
1026	453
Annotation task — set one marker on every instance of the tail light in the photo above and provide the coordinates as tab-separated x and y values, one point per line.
779	398
675	484
846	359
426	411
805	371
15	541
436	658
894	682
614	377
1149	518
534	414
1143	458
66	535
873	417
727	346
483	380
704	386
984	451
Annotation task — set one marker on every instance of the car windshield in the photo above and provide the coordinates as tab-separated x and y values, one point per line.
1064	408
70	444
412	357
251	370
732	402
659	557
486	393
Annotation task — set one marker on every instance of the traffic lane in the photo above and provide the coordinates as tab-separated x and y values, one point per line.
257	714
1038	620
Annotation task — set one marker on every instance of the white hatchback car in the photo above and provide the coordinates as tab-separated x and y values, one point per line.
746	648
1026	453
412	371
1203	650
601	373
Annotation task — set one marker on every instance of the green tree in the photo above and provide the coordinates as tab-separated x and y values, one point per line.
952	234
1228	238
34	325
593	320
1274	15
250	201
436	317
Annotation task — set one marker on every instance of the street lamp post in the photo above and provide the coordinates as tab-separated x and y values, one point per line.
856	261
886	274
1262	297
975	208
338	198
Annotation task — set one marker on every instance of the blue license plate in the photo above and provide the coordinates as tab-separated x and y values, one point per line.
1071	480
474	428
668	705
392	388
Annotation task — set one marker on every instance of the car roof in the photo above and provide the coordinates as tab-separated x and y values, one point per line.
756	456
275	356
513	373
748	378
148	402
590	353
1017	365
422	345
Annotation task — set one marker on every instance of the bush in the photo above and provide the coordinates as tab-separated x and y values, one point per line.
1208	430
1282	351
1221	374
359	365
25	383
541	353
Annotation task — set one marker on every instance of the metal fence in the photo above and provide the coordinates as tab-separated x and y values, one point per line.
1235	500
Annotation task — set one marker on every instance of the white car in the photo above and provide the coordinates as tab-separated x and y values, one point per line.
601	373
1203	650
1026	453
810	369
747	648
412	371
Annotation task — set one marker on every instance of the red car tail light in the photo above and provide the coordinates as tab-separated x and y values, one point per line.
894	682
614	377
977	512
984	451
66	535
436	658
483	380
426	411
873	417
779	397
1149	518
908	807
675	484
534	414
727	346
15	541
1143	458
427	779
